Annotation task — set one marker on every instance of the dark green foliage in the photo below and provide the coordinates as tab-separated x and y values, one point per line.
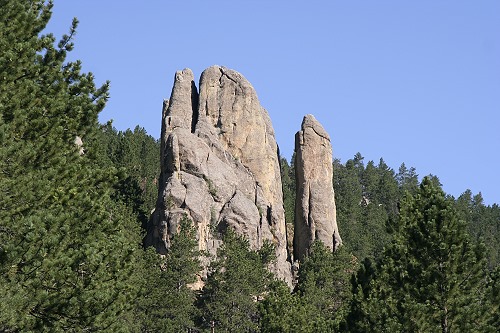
137	155
67	248
366	199
492	304
430	278
483	223
282	311
324	285
70	257
388	193
288	183
407	179
357	319
321	298
237	280
167	304
348	200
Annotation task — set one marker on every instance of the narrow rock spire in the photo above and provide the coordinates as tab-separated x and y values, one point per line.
183	102
315	212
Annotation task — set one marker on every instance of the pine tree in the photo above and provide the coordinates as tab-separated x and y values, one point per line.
320	300
367	199
324	286
407	179
388	194
483	223
238	279
277	308
67	248
288	183
492	304
167	303
375	207
430	279
348	196
283	311
135	154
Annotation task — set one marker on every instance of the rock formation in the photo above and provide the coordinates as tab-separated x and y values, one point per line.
219	166
315	213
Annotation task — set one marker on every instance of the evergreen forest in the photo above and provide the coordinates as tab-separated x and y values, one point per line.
72	219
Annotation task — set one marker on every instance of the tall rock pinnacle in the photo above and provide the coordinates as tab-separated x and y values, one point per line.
229	104
315	212
219	166
180	111
220	169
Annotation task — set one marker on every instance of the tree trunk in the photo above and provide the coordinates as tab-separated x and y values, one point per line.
444	321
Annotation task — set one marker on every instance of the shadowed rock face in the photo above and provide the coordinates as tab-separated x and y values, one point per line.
219	166
315	212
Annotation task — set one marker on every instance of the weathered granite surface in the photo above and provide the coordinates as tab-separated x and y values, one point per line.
219	166
315	212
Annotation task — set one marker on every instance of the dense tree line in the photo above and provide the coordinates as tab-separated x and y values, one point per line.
71	254
425	261
135	154
368	199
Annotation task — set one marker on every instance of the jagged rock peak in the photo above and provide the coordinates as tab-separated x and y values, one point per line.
315	212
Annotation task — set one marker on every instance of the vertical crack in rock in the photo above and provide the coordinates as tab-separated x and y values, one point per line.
194	106
269	215
221	76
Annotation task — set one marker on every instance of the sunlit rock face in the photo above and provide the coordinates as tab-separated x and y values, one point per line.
219	166
315	212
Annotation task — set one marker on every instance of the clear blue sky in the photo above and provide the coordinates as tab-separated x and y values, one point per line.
410	81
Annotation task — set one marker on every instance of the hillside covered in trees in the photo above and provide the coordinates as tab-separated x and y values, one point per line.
72	223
